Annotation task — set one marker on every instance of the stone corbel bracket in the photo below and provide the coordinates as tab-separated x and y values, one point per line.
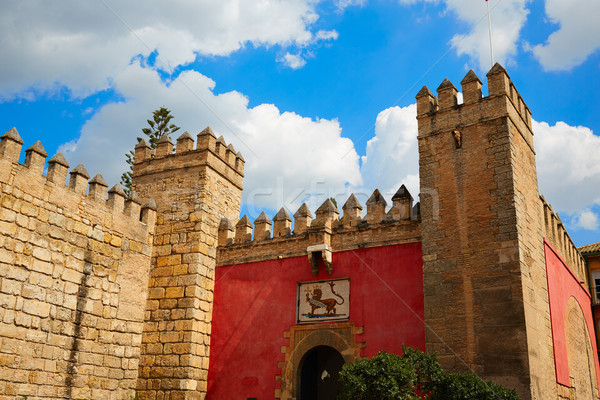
317	252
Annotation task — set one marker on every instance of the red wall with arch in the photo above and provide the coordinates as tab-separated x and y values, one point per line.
255	303
562	285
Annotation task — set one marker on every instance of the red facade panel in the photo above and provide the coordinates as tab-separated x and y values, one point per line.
255	303
562	285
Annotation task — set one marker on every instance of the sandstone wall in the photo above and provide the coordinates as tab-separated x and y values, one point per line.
529	228
194	189
73	280
486	300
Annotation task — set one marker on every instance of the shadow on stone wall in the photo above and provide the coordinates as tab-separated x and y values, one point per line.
82	295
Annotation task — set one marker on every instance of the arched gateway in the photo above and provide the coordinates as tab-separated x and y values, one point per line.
316	351
318	375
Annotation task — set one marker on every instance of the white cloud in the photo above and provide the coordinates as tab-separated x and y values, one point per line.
83	45
508	17
392	157
568	165
298	60
294	61
587	220
286	154
577	37
342	4
327	35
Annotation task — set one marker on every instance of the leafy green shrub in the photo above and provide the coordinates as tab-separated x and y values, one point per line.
413	376
470	387
383	377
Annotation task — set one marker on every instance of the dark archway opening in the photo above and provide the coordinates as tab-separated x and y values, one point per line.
319	374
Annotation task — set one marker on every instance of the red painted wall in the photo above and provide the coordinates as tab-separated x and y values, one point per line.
562	285
254	304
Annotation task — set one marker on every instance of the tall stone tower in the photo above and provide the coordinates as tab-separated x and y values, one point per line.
193	189
486	301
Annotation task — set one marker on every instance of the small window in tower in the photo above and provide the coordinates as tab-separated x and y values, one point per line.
596	288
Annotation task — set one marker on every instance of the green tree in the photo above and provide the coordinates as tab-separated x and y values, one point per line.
159	125
414	375
470	387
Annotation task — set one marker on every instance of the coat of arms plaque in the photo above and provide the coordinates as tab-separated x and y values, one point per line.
323	300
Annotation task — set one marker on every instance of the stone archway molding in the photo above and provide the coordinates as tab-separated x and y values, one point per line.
340	336
580	355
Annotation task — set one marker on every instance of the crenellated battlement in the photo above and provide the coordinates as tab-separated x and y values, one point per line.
443	113
81	193
266	238
556	234
209	151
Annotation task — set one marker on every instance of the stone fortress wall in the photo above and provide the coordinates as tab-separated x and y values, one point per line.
73	279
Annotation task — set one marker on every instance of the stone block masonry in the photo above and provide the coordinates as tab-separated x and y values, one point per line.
197	188
73	274
486	294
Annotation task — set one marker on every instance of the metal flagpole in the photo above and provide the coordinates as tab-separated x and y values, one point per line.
490	30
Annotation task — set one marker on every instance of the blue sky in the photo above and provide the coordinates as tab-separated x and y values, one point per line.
317	95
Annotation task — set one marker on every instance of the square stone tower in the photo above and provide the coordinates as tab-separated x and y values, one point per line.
193	189
486	296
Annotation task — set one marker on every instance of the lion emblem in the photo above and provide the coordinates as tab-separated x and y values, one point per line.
316	300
